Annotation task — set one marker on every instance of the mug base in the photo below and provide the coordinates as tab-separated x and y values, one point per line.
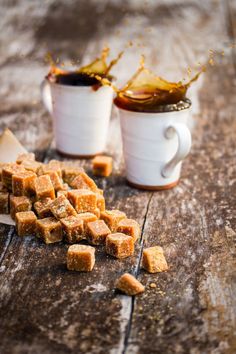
153	188
72	156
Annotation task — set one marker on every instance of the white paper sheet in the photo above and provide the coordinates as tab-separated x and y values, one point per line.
10	148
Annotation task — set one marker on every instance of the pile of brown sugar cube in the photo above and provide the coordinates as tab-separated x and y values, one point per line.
58	201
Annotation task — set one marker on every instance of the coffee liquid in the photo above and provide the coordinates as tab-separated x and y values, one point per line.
86	75
146	92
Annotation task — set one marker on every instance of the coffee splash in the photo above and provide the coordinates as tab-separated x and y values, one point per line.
85	75
146	92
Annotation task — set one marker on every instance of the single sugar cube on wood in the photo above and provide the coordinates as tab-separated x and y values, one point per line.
29	156
97	231
70	172
72	227
83	181
86	218
18	204
61	207
30	165
154	260
4	203
119	245
23	183
8	171
112	218
101	204
42	208
25	223
49	230
44	187
80	258
83	200
129	227
102	165
129	285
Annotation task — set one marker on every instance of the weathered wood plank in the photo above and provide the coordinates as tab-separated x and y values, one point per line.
46	309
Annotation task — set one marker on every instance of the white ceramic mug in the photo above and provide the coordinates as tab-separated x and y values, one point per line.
81	117
154	145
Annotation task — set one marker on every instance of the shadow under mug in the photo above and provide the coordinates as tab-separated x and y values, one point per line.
154	145
80	115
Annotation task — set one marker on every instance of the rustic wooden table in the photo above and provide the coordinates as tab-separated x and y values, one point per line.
46	309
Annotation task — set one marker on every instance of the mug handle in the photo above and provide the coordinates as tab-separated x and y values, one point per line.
46	95
184	145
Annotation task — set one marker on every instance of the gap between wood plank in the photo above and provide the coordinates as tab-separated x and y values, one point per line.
136	272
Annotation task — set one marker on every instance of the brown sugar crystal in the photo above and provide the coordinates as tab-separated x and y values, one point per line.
129	285
29	156
154	260
129	227
119	245
25	223
70	172
44	187
72	227
61	207
49	230
102	165
42	208
18	204
30	165
4	202
97	232
112	218
83	200
101	204
86	218
80	258
83	181
23	183
8	171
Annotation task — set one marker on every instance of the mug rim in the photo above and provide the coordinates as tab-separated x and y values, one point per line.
160	112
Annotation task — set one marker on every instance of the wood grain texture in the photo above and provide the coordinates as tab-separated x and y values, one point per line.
46	309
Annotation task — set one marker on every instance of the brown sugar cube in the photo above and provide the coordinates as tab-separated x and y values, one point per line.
62	192
44	187
83	200
49	230
112	218
8	171
86	218
61	207
56	181
70	172
18	204
129	285
25	157
129	227
4	202
25	223
52	166
97	232
102	165
72	227
119	245
42	208
154	260
83	181
80	258
23	183
101	204
31	165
